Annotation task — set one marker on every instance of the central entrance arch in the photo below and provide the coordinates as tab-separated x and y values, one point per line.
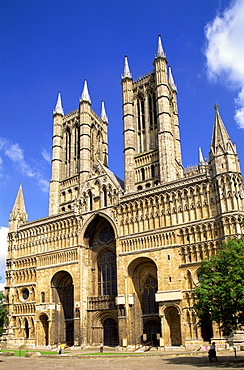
63	296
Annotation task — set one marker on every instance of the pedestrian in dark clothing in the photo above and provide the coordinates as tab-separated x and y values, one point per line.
212	352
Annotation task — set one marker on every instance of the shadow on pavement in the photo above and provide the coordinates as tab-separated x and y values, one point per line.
223	362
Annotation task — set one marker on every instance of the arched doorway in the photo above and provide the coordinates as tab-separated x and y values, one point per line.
44	329
110	332
151	320
152	329
63	296
144	285
174	330
70	333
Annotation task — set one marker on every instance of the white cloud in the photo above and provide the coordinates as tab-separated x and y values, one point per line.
225	52
46	155
3	254
1	166
16	154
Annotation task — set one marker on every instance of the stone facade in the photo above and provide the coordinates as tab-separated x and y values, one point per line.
116	263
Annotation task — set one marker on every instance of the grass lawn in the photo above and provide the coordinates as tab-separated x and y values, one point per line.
21	353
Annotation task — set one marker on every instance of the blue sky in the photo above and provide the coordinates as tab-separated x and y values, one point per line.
48	46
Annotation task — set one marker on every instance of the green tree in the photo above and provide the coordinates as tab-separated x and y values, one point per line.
219	295
3	312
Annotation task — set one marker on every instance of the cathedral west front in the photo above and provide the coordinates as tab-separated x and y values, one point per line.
116	262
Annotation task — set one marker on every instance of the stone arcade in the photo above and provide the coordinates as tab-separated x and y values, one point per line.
116	263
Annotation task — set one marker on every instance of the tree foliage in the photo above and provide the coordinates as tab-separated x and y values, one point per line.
220	293
3	313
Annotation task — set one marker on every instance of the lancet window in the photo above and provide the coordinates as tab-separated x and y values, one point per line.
107	281
68	145
105	198
90	201
141	123
153	130
152	110
150	306
77	142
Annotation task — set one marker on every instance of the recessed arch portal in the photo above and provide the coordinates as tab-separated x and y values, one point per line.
110	332
144	284
63	296
172	318
99	237
44	329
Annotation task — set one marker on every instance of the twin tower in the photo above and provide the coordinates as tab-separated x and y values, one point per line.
152	153
152	150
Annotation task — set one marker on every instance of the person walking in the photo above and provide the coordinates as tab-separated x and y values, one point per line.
101	347
212	352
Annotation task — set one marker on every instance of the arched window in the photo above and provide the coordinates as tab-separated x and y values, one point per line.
27	330
43	297
141	124
150	288
107	280
152	171
143	174
67	145
90	201
77	142
105	200
141	114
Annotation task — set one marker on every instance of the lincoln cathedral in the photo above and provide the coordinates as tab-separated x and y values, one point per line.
117	261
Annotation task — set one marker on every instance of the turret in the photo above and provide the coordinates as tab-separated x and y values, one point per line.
85	133
152	152
176	127
129	128
104	118
223	155
18	216
201	161
168	126
58	115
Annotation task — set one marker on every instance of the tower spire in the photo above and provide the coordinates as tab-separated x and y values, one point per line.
18	214
160	51
85	94
220	137
59	109
104	116
223	155
201	160
127	73
171	80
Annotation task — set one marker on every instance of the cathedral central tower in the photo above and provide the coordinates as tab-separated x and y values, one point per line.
152	152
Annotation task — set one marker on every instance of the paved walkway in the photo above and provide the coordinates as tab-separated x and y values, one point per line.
154	361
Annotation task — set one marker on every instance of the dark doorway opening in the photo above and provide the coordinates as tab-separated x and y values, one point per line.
69	333
44	322
152	329
207	331
110	333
